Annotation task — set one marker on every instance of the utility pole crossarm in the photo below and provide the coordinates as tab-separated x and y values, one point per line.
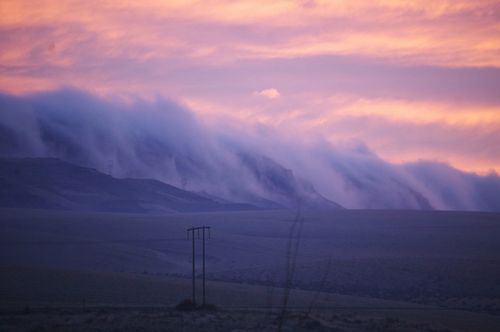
192	229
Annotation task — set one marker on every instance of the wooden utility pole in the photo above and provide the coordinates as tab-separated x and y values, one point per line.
191	231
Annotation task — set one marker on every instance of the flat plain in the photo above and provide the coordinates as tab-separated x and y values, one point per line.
353	270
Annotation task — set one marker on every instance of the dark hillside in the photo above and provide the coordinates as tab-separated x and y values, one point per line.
54	184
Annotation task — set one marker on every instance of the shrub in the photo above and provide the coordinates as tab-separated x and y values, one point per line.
186	305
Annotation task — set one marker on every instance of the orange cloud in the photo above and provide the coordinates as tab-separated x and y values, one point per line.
401	131
443	32
465	136
420	112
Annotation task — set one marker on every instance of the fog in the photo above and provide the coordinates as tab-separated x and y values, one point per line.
264	166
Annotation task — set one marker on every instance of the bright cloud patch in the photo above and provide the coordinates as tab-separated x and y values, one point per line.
268	93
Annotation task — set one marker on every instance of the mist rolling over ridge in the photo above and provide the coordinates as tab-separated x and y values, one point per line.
164	141
246	165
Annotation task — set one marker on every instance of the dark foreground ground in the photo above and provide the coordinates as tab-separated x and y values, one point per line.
41	299
355	270
164	319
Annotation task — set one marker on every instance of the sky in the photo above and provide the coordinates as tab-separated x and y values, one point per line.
412	80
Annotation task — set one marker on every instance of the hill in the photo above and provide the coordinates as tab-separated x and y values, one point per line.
51	183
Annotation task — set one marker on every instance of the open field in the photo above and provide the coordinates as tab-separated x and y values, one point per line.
436	269
154	319
48	299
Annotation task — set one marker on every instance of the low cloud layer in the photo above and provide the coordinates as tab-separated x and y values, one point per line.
348	69
165	141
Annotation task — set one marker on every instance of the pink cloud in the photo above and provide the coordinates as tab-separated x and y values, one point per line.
271	93
414	69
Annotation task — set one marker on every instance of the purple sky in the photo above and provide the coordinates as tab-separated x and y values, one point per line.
411	79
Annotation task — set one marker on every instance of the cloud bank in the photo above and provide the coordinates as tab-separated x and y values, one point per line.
420	78
162	140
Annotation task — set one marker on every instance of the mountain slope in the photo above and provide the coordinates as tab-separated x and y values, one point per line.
55	184
163	141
